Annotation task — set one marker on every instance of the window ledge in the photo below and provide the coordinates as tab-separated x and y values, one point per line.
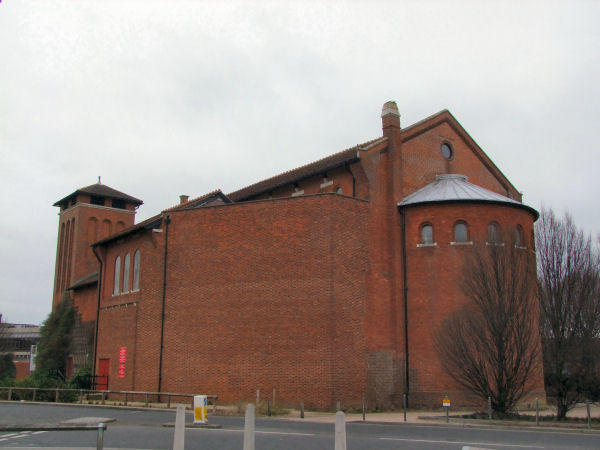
462	243
434	244
520	247
495	244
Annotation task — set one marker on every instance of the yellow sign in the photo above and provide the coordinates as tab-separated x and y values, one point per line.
446	402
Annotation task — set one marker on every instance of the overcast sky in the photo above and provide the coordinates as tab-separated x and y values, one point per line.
163	98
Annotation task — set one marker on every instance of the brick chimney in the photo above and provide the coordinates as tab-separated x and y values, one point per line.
183	199
390	118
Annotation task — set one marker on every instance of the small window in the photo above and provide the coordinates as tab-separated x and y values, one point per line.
460	232
427	234
339	191
494	236
136	271
519	241
95	200
117	288
126	267
118	203
447	151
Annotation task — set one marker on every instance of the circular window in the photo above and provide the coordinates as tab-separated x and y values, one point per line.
447	151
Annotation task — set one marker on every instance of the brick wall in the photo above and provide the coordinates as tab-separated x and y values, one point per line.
262	295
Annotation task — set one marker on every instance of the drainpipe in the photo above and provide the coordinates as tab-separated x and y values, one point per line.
97	310
353	179
406	371
164	293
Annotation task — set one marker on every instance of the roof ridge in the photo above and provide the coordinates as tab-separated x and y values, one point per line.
192	201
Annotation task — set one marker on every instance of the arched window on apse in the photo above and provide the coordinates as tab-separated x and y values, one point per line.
427	234
120	225
136	271
461	232
116	289
494	236
519	239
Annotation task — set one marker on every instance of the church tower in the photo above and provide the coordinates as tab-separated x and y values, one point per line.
87	215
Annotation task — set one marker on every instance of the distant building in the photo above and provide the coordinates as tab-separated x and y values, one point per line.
325	283
21	341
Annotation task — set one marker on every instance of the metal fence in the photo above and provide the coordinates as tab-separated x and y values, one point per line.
102	396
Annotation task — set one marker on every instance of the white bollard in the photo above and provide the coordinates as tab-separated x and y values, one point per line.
340	431
249	428
179	439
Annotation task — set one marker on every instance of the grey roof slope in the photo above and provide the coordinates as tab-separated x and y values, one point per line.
88	280
102	190
456	188
330	162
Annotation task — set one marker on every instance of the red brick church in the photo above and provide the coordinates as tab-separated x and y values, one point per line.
326	282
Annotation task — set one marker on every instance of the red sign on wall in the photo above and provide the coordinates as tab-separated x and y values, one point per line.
122	359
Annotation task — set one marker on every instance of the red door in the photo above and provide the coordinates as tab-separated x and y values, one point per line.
103	371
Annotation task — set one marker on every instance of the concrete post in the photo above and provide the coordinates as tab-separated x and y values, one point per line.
490	408
404	405
179	438
589	421
100	437
363	407
249	428
340	431
537	412
302	409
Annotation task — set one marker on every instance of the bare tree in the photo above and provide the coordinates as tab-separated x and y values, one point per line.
569	290
490	346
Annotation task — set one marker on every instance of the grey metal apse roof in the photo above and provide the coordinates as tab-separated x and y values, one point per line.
456	188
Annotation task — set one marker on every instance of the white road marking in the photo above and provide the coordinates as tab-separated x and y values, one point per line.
6	437
462	443
257	431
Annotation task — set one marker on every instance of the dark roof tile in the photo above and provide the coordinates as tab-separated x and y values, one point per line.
102	190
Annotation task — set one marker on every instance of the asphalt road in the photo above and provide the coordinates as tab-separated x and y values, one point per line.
143	429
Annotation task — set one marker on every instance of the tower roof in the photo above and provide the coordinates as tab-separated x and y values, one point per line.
456	188
102	190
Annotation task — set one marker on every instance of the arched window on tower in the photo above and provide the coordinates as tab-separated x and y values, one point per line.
136	271
494	236
117	289
461	234
126	266
427	234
